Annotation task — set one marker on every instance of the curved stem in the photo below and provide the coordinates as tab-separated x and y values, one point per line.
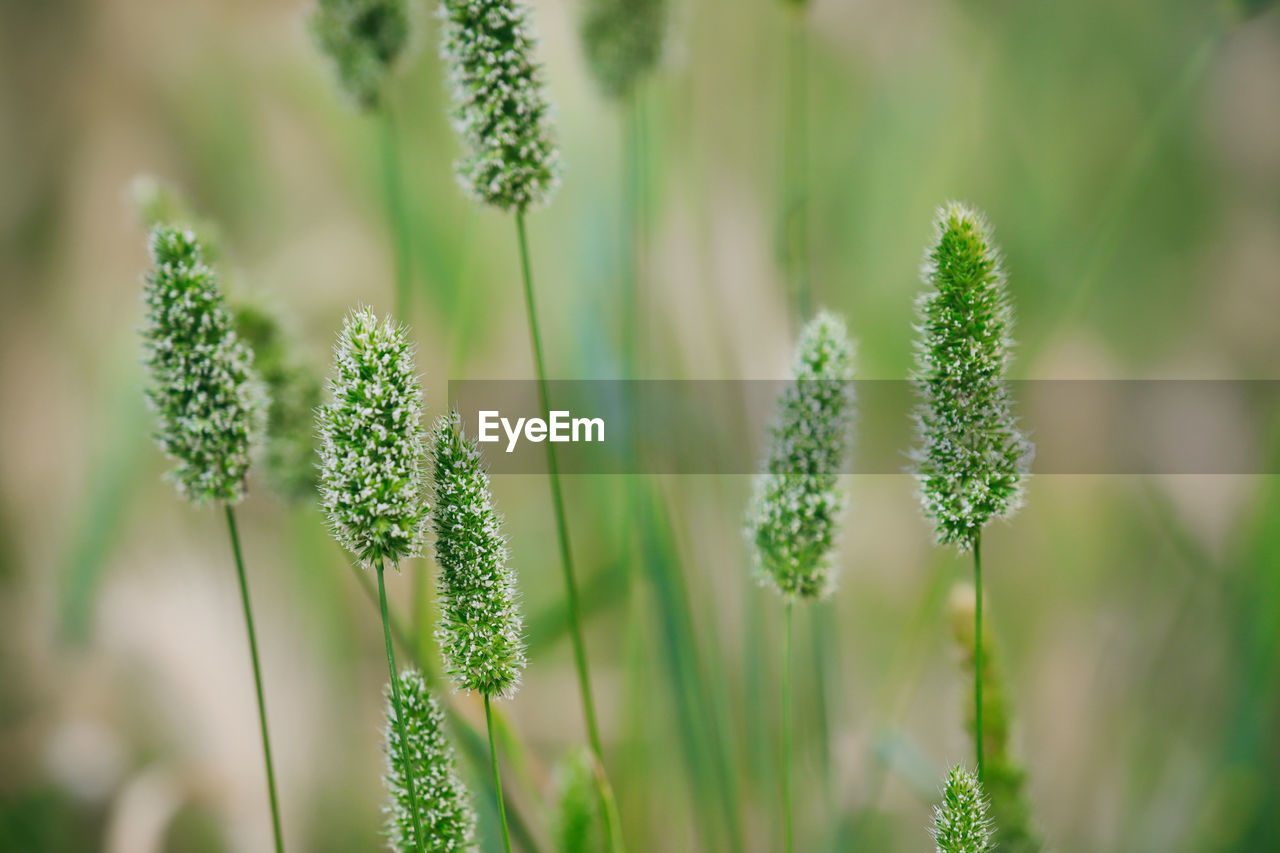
788	829
497	777
395	699
566	552
977	651
257	678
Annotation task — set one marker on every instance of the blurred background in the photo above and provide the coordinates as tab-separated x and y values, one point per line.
1128	155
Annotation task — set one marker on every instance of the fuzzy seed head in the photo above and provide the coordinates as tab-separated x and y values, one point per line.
499	108
960	822
972	458
371	443
444	804
363	39
796	505
480	624
623	41
208	405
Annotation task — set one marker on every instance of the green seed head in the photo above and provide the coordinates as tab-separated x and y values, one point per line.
371	443
480	625
499	108
577	827
363	39
208	405
796	505
960	822
622	40
972	458
444	804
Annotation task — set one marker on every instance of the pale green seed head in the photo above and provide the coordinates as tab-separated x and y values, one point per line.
972	458
960	822
480	624
622	40
577	827
444	804
363	39
371	443
510	160
796	505
208	404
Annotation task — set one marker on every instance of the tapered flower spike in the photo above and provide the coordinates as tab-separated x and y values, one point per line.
972	457
363	39
623	41
371	443
444	804
796	506
499	108
960	822
480	624
208	404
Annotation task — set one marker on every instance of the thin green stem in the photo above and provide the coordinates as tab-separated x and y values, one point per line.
796	167
566	553
405	755
393	178
788	828
977	652
257	678
497	777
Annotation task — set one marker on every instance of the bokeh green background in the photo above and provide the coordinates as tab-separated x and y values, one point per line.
1128	154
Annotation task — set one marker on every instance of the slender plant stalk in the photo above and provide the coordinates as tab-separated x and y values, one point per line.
497	777
566	555
796	167
257	678
395	698
977	652
788	826
392	174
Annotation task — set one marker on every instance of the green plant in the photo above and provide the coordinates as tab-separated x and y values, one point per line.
972	458
444	805
960	822
480	626
622	40
208	407
576	823
511	162
371	445
796	506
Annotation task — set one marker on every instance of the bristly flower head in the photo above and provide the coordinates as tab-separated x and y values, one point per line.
960	823
499	108
622	40
371	439
480	625
363	38
444	804
796	506
208	405
973	458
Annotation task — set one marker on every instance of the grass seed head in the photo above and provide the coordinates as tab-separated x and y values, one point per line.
371	443
363	39
623	41
960	822
208	404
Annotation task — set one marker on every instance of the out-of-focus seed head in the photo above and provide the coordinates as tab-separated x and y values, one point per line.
577	827
796	505
499	107
972	458
363	39
480	624
444	804
371	443
622	40
208	404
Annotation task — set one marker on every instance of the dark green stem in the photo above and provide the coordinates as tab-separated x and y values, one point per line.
796	167
257	679
566	553
405	755
497	777
394	179
788	829
977	651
